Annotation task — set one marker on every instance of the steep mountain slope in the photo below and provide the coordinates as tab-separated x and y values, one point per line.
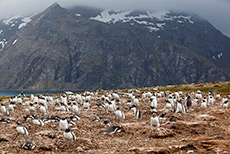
66	49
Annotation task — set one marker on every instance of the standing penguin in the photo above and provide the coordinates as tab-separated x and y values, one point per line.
136	111
43	109
32	107
21	129
11	107
75	108
63	124
225	105
119	114
203	104
69	135
179	107
188	102
154	121
4	110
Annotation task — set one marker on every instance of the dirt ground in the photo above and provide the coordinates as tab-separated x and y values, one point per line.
198	131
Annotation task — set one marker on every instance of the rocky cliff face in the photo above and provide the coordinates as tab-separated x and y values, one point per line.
78	49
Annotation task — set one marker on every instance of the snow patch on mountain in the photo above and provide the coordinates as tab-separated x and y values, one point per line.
10	20
154	21
14	42
3	43
25	21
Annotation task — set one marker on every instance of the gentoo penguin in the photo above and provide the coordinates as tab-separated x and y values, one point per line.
106	122
198	95
64	107
11	107
63	124
95	118
136	101
37	121
32	107
188	102
119	114
4	110
21	129
5	120
113	129
69	135
100	105
168	105
153	101
29	145
218	96
136	111
225	105
28	116
52	119
224	99
74	117
43	109
203	104
162	116
154	121
211	100
75	108
86	105
179	107
109	107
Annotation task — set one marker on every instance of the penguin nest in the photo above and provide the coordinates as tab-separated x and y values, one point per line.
198	131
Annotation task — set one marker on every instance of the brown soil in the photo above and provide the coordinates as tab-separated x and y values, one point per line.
198	131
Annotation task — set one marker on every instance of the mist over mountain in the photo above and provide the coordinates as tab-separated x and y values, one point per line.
88	48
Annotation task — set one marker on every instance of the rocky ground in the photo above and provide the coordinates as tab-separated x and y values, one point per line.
198	131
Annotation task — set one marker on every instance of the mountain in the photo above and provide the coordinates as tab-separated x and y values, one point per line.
87	48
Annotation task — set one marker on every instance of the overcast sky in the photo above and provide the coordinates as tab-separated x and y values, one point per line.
215	11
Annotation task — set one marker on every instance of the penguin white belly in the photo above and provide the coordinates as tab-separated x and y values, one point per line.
154	122
11	108
63	125
179	108
32	108
75	109
225	106
168	105
69	136
203	105
38	122
43	109
3	109
21	130
86	106
110	108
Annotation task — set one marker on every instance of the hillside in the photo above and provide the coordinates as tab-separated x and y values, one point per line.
83	48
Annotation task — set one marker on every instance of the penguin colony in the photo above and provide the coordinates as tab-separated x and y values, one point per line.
65	112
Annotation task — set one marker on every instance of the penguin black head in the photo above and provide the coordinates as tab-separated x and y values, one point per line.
154	115
67	130
118	108
19	123
74	103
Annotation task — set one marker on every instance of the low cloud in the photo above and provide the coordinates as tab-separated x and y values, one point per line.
215	11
